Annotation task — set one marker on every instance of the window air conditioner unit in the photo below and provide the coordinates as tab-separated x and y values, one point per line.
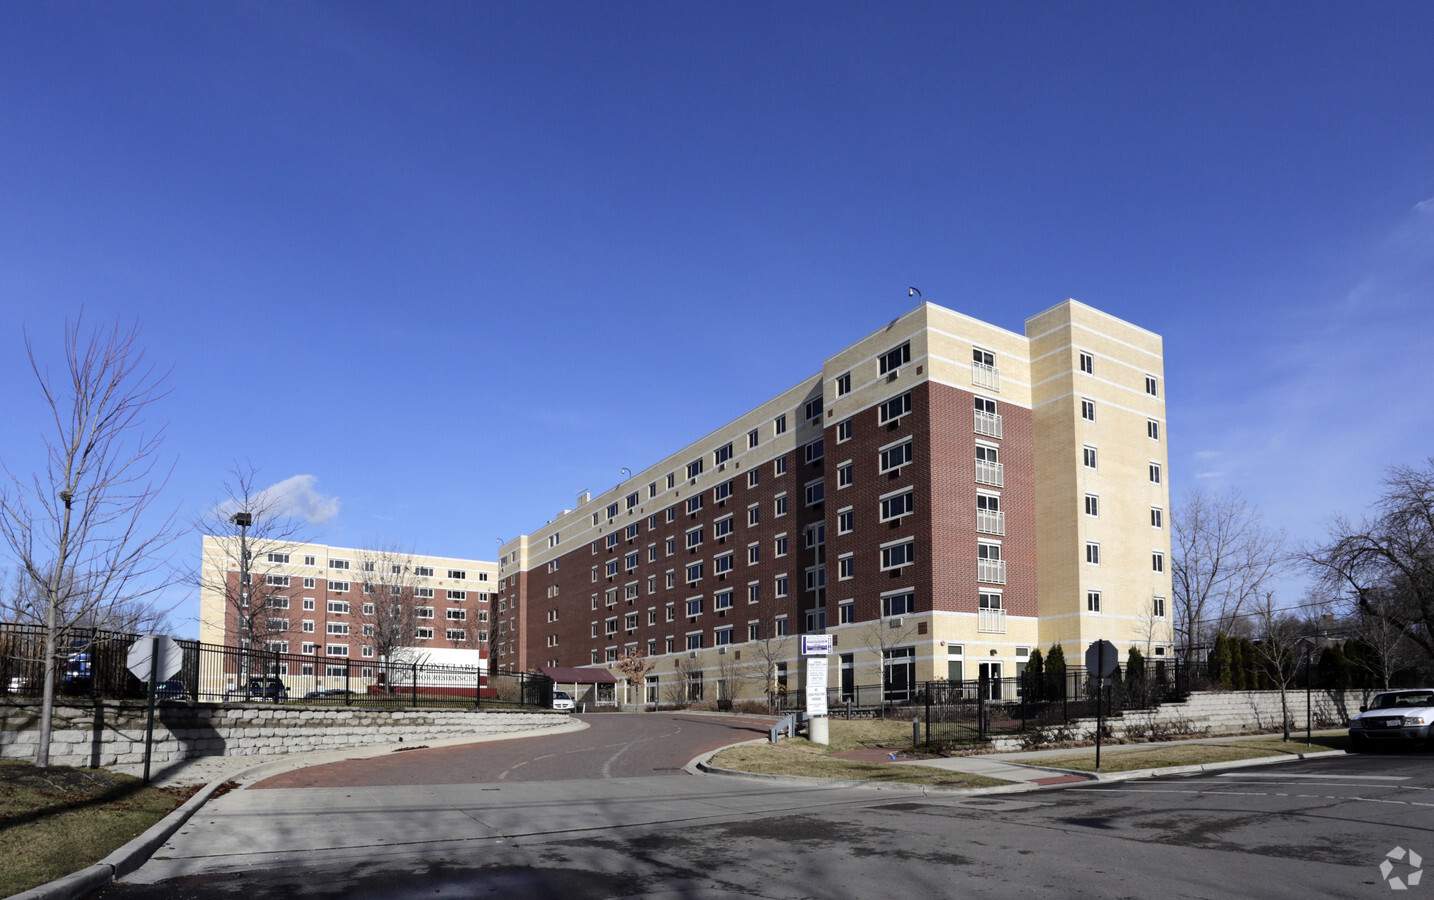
893	375
896	622
692	655
721	651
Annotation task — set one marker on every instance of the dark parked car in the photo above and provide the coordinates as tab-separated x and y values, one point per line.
1394	718
173	689
266	688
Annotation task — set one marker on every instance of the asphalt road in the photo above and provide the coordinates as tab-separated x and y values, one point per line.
375	829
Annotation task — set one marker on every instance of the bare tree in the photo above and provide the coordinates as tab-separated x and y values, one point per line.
1384	564
1223	557
83	531
1279	636
768	654
729	677
388	613
1382	631
880	638
250	536
634	666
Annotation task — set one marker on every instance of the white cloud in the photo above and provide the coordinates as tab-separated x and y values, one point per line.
1425	207
297	496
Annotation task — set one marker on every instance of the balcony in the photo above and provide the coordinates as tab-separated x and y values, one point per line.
990	521
992	473
988	424
991	571
984	376
991	621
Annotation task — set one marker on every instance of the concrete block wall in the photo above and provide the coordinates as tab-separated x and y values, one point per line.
109	733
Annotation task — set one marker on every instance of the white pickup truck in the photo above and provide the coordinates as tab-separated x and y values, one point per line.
1393	718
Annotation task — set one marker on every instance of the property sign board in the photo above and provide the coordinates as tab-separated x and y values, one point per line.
816	644
816	685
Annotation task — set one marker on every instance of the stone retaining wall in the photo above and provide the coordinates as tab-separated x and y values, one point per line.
108	733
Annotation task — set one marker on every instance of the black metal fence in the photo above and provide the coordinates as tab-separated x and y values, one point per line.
95	666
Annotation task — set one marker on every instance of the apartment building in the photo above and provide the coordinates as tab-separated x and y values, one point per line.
339	604
943	497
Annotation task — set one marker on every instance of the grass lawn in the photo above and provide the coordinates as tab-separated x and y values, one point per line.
59	820
1126	757
798	756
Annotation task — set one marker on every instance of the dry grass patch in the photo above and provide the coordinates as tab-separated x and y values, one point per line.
801	757
1122	758
59	820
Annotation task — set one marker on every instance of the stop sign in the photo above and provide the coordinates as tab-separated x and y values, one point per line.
1101	659
142	663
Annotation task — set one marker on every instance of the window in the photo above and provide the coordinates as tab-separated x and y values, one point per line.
1157	562
815	450
652	584
1151	386
781	586
338	564
1092	505
844	475
779	545
754	554
337	628
630	561
309	584
895	358
779	466
843	431
1155	473
694	537
457	596
894	506
813	408
307	626
754	593
894	408
694	572
283	625
898	554
338	587
423	571
610	626
671	612
900	603
816	535
651	489
612	540
454	636
843	384
694	503
458	574
1089	456
721	565
1157	607
308	603
722	491
816	578
457	615
722	527
722	636
752	439
779	505
846	612
896	456
694	468
779	628
1092	601
652	553
753	516
308	647
629	622
988	600
1092	553
694	641
671	513
1087	363
310	561
754	478
337	650
844	521
754	631
845	567
279	558
722	453
423	612
1152	429
671	545
722	600
671	480
339	607
276	601
816	492
671	579
1087	410
611	568
1157	517
779	424
631	532
652	615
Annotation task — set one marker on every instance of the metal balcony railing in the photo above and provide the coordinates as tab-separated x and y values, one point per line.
988	424
990	521
991	571
992	621
984	376
992	473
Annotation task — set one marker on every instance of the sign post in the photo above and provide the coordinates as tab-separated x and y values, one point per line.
1101	659
154	658
815	648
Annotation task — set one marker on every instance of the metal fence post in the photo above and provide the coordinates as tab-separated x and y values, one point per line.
413	685
348	682
981	684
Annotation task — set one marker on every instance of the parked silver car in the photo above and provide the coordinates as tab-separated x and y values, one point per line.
1393	718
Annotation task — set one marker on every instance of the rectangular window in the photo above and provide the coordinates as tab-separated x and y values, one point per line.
1152	429
895	457
694	537
611	568
1157	607
779	505
722	600
1151	386
1157	562
813	409
844	521
694	468
722	564
338	564
1087	363
671	545
722	527
901	603
815	450
1088	454
845	567
629	622
457	596
816	535
276	580
1155	473
754	631
652	615
339	607
423	612
722	636
894	556
630	561
894	506
612	511
671	579
779	628
694	641
610	626
694	504
779	545
816	578
754	593
309	584
988	600
652	553
651	489
423	571
843	431
844	475
308	647
816	492
846	612
752	439
843	384
457	615
779	424
895	358
336	650
307	627
754	478
722	491
694	572
338	587
781	586
612	540
458	574
671	612
1157	517
1092	505
1092	553
1092	601
632	532
454	636
1087	410
754	554
337	628
779	466
310	561
722	453
308	603
894	408
753	515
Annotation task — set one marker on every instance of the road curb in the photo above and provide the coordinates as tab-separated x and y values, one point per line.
1211	767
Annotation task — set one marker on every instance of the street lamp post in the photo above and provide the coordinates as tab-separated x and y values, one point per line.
246	595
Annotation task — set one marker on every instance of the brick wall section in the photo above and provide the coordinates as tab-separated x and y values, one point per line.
112	732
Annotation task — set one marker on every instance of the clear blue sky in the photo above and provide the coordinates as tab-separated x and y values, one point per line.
459	261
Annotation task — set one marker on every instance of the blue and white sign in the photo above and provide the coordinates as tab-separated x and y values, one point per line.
816	644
